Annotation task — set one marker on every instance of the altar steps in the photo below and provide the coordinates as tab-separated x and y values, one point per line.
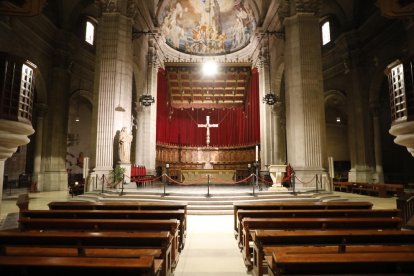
200	204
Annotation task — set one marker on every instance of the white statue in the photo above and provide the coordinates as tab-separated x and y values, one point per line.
125	139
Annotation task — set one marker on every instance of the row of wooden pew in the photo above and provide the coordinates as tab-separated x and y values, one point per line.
371	189
317	238
131	238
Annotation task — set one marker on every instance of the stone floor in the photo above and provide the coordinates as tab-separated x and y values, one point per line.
210	248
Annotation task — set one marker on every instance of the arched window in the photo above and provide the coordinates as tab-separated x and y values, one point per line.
90	32
326	33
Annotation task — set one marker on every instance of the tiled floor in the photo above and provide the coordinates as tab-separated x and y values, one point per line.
210	248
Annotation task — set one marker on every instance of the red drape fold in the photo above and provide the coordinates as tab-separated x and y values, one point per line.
236	126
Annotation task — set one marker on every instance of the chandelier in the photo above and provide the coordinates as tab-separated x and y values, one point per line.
146	99
270	98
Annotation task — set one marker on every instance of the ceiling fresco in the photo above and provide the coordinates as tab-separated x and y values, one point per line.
206	27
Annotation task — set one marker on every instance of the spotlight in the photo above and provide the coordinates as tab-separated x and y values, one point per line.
210	68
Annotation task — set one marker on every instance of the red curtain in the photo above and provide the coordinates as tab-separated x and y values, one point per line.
236	126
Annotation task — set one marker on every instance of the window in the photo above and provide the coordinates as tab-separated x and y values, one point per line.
90	32
26	93
326	33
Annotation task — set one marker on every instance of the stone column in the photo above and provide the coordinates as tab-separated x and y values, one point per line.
53	175
41	110
305	114
113	85
359	127
147	118
379	174
279	141
266	135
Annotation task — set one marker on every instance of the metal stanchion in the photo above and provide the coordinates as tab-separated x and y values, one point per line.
103	182
253	184
122	185
164	194
292	180
208	185
316	179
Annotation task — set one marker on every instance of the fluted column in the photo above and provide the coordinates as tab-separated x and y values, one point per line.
266	148
147	117
379	173
113	77
279	136
53	175
41	110
305	114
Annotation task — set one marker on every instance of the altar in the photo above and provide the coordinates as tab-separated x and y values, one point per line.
201	176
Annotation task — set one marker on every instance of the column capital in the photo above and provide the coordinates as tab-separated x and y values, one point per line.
292	7
125	7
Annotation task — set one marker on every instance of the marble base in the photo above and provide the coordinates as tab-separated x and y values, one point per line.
277	188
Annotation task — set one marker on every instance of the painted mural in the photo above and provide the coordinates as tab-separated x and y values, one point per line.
206	27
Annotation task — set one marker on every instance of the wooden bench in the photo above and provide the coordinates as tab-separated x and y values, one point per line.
372	189
100	225
346	213
343	186
250	224
297	205
372	263
52	266
122	205
394	189
113	214
89	244
266	240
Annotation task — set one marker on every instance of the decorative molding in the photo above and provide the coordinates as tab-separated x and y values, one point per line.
312	6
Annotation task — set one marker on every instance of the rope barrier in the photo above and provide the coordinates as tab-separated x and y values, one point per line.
146	179
264	180
182	183
232	182
305	182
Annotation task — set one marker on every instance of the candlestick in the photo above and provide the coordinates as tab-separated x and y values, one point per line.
257	153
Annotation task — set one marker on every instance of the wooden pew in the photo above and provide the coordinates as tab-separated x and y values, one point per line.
297	205
52	266
266	240
250	224
124	205
113	214
100	225
372	263
89	244
334	213
392	189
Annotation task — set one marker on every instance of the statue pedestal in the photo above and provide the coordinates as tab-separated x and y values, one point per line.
276	173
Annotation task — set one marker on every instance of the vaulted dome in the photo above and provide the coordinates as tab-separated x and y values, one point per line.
206	27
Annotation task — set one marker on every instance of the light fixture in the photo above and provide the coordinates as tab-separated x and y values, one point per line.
210	68
146	99
338	119
270	98
77	111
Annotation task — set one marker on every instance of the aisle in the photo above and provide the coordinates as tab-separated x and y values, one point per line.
210	248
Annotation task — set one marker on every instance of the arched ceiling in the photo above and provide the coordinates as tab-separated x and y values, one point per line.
206	27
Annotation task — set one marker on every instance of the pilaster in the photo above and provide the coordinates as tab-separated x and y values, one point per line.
305	114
